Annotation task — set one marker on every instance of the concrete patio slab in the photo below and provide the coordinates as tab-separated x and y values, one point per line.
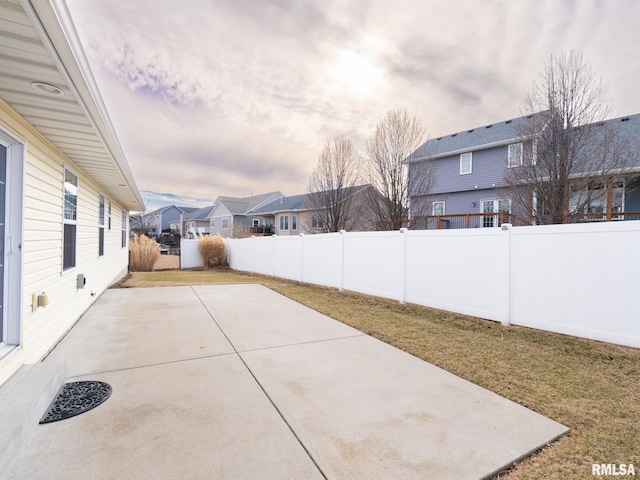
195	419
254	317
364	409
237	381
148	326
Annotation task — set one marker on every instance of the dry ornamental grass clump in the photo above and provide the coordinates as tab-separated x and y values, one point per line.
144	253
213	251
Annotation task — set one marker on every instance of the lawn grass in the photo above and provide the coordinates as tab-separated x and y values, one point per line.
591	387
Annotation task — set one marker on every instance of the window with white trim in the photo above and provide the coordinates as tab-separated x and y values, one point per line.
109	214
438	208
225	223
515	155
256	222
70	220
101	212
123	242
465	163
294	223
317	223
284	222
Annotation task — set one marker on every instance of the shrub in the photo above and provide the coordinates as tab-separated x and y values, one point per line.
144	252
213	251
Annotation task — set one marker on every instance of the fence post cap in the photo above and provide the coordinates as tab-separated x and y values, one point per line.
506	226
404	230
342	231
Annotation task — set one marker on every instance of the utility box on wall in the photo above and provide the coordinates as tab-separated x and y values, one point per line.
82	281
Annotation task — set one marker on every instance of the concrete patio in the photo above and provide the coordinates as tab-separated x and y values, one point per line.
239	382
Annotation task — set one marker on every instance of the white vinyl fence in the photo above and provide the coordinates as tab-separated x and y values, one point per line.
580	279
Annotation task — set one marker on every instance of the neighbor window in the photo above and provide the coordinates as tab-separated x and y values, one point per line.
70	220
294	222
317	222
438	208
515	155
284	222
212	223
465	163
109	214
256	222
124	229
100	225
225	223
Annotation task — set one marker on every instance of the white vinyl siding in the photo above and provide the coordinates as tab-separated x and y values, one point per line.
466	163
42	247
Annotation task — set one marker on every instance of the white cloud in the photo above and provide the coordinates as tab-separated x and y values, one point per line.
215	97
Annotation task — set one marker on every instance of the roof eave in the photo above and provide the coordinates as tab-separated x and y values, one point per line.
53	21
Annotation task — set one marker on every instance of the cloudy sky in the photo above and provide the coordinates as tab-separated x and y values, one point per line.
237	97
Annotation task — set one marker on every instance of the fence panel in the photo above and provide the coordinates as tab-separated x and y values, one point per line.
262	253
457	270
322	259
287	257
373	263
189	254
577	279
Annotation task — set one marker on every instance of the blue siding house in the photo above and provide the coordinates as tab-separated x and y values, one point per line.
469	170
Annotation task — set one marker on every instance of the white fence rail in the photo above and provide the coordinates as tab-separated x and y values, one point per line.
581	280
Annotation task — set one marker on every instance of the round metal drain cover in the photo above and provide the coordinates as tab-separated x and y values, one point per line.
76	398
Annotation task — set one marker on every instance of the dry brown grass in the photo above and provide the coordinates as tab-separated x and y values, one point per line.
213	251
591	387
144	253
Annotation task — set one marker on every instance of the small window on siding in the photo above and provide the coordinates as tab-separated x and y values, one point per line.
256	222
70	220
225	223
317	223
515	155
284	222
101	212
294	222
438	208
109	214
465	163
124	229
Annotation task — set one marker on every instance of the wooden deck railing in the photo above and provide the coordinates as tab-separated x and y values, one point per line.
487	220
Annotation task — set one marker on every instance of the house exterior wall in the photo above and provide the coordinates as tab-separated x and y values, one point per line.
41	248
632	196
488	169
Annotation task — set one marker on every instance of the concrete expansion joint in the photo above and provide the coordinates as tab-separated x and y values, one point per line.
284	345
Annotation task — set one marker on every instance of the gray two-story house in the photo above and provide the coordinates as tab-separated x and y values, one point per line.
470	186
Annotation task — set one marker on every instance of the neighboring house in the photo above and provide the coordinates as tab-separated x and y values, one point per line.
469	171
296	214
66	189
160	220
196	221
231	217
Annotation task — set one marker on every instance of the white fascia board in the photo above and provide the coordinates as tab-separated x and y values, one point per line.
51	18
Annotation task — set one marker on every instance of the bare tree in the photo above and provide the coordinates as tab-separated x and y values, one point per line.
570	160
330	186
397	135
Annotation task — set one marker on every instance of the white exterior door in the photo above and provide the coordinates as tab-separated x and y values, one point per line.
11	186
494	206
3	254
